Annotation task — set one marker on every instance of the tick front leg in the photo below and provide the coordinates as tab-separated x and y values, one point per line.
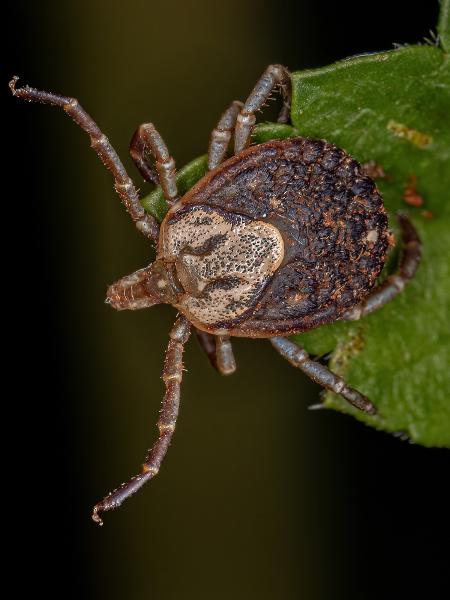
145	140
394	284
274	76
298	357
219	351
100	143
172	376
221	134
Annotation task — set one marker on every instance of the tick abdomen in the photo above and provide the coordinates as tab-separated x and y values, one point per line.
318	239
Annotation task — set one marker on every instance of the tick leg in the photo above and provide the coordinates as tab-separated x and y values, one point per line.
219	351
145	140
208	345
100	143
139	154
226	363
274	76
172	375
298	357
394	284
221	135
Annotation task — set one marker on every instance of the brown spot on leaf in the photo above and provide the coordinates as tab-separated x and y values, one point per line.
410	195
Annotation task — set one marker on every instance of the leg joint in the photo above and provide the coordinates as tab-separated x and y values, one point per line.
339	385
398	282
221	135
172	377
124	186
73	104
102	140
354	314
247	119
150	469
166	427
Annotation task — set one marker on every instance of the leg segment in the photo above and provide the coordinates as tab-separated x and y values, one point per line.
172	375
221	135
394	284
219	351
321	374
225	357
146	140
274	76
138	152
100	143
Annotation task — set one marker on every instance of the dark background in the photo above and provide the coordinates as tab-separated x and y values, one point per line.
258	497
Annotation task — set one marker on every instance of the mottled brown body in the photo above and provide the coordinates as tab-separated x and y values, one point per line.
331	219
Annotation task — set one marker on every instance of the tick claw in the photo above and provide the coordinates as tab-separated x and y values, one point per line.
12	84
96	516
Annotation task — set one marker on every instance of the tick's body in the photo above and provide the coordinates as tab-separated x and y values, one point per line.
323	239
281	238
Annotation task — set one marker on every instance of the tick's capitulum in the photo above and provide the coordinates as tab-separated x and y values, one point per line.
281	238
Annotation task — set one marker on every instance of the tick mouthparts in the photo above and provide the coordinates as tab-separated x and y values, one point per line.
133	292
155	284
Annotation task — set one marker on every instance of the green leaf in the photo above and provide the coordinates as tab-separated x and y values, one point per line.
393	108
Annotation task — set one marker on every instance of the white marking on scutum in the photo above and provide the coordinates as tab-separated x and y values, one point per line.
247	253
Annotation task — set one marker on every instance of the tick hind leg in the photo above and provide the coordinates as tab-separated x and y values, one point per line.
394	284
273	77
146	140
219	351
100	143
298	357
172	375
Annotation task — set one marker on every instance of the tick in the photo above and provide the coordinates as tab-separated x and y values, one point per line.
280	238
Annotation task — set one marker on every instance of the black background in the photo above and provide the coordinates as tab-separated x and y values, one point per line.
374	509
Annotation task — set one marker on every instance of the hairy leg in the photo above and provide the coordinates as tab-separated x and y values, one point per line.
320	374
394	284
274	76
172	375
221	134
100	143
145	140
219	351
